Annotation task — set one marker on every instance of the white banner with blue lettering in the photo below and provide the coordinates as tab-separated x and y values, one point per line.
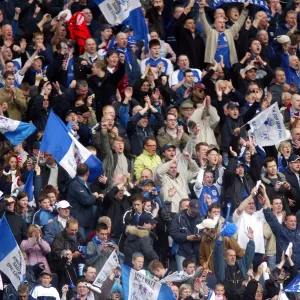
267	127
260	3
136	286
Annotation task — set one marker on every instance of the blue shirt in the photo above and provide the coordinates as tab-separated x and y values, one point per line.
167	68
223	49
70	71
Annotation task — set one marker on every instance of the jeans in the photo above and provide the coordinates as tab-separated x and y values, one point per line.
271	262
179	260
225	159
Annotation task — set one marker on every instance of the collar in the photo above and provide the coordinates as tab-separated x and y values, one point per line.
148	154
50	167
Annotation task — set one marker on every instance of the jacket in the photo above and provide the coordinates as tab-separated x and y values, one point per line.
180	182
81	200
207	120
15	108
36	252
139	240
233	185
180	229
232	277
163	138
270	240
145	160
283	237
291	178
51	230
212	37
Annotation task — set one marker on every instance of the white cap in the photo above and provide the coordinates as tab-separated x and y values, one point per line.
282	39
207	223
63	204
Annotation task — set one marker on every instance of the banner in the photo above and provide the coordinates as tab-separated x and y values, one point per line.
111	263
267	127
12	262
260	3
139	287
294	286
176	277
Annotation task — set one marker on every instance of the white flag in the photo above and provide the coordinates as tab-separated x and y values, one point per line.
106	270
176	277
267	127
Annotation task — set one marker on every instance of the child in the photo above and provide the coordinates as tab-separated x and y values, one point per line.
220	292
151	192
45	213
138	263
147	206
44	290
158	270
100	248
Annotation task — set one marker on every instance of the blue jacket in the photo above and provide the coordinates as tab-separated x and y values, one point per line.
283	237
180	229
51	230
82	200
290	73
41	217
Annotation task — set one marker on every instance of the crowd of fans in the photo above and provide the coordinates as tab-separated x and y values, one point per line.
168	121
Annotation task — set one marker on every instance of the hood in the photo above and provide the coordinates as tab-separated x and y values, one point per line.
266	180
137	232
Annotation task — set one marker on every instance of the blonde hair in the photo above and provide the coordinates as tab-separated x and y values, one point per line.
184	287
283	144
33	228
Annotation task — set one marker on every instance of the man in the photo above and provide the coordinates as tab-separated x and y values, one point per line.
167	177
237	183
164	65
288	27
185	91
191	43
185	233
140	239
220	39
285	233
106	34
58	224
92	24
13	97
148	159
292	111
279	86
177	77
172	133
90	55
230	271
53	174
99	248
201	154
69	238
155	17
82	200
186	109
290	64
276	184
89	273
15	221
246	216
292	177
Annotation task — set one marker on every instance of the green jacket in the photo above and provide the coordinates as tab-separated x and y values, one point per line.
145	160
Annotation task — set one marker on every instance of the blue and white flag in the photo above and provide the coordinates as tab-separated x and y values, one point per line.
28	188
267	127
260	3
12	262
125	12
211	295
294	286
15	131
68	152
137	286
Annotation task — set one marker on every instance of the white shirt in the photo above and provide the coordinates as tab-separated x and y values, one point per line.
256	222
62	221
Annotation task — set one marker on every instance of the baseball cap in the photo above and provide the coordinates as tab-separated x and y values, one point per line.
213	147
126	28
45	272
167	146
239	163
63	204
71	111
282	39
249	67
147	181
146	218
195	205
39	56
207	223
232	104
293	157
200	86
186	104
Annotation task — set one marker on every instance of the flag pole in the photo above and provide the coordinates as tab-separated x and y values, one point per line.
38	157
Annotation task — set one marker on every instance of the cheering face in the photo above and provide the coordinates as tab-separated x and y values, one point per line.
234	14
213	157
155	52
219	24
277	205
294	62
190	25
183	62
255	47
263	37
208	179
251	75
112	60
250	209
169	153
190	269
7	54
286	150
230	257
138	263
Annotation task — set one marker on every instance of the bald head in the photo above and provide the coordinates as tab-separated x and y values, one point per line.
121	40
90	46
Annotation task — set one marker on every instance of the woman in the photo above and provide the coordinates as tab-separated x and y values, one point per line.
284	152
185	291
35	247
9	180
277	209
40	108
23	209
141	89
104	84
52	194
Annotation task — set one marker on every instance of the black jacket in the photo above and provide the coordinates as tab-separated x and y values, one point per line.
139	240
233	185
291	178
156	19
192	47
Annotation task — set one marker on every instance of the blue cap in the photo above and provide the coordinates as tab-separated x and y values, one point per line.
126	28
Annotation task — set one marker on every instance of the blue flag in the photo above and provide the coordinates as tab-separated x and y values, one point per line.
15	131
138	286
68	152
294	286
125	12
12	262
260	3
28	188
